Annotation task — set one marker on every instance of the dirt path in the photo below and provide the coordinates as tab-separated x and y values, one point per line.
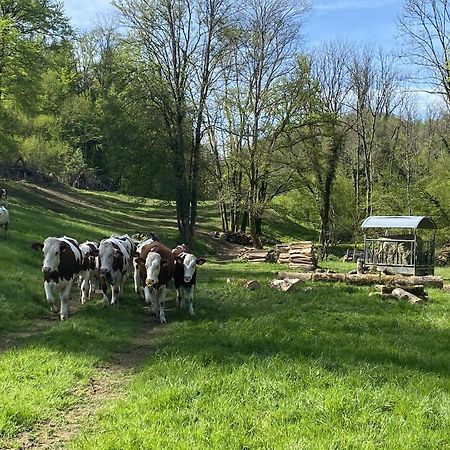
109	382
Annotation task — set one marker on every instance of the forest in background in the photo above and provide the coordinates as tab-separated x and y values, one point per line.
187	100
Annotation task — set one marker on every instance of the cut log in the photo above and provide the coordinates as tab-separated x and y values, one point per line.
417	289
367	279
401	294
286	285
252	285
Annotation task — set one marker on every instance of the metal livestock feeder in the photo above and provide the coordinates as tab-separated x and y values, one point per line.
400	244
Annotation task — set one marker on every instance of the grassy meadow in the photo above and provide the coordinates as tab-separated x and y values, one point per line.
327	367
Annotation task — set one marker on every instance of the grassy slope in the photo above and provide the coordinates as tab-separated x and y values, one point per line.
327	367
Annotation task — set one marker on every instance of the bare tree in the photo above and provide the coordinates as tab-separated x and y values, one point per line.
375	94
180	44
425	26
257	110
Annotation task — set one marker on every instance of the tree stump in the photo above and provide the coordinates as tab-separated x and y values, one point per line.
252	285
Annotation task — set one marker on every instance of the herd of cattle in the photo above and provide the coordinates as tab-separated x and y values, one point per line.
111	261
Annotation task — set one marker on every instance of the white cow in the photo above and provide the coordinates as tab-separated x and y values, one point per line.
115	260
61	265
89	269
4	218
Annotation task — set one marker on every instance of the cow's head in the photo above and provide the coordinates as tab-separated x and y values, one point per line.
106	254
189	263
52	249
153	265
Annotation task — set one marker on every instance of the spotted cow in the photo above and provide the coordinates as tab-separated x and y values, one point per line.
89	272
185	273
114	255
156	265
61	265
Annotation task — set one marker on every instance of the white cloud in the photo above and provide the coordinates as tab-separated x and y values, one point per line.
332	5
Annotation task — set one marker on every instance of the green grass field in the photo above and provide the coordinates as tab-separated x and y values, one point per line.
327	367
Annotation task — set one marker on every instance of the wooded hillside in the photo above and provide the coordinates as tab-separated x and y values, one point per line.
196	99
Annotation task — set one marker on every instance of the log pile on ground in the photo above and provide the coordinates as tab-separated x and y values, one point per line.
367	279
443	256
237	237
297	254
256	255
413	294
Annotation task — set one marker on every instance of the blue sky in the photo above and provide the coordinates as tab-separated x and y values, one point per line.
353	20
358	21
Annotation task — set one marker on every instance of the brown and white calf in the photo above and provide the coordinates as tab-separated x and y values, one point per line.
139	275
156	266
89	272
114	258
185	274
61	265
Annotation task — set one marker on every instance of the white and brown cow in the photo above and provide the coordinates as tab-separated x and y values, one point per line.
61	265
114	255
89	272
139	275
156	266
185	274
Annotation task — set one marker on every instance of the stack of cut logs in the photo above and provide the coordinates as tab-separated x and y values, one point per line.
297	254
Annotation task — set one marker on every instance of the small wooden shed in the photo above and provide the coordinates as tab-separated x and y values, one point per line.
400	244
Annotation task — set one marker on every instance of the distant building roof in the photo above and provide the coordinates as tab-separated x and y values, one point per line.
412	222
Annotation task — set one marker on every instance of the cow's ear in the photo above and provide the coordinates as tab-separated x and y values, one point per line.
201	261
140	260
37	246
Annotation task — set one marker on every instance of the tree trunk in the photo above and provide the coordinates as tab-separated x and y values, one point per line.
244	222
255	238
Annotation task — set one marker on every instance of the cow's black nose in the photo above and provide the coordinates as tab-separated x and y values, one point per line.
46	269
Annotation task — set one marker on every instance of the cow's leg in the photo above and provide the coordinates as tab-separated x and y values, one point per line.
64	297
90	284
84	288
179	299
137	279
161	298
49	296
190	298
115	289
150	299
104	288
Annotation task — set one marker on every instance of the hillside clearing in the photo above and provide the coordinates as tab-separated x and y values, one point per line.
325	367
